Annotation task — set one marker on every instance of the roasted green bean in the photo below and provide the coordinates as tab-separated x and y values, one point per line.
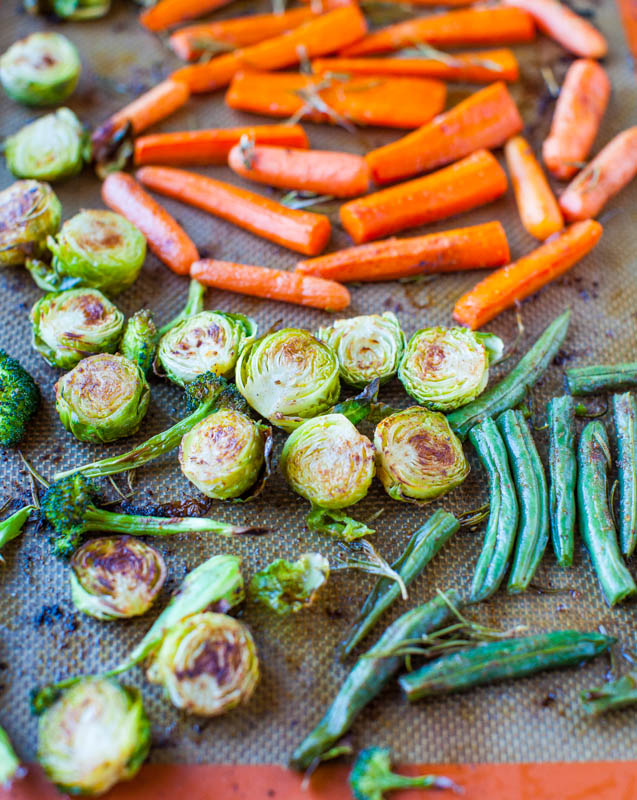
601	378
563	471
595	520
610	696
499	536
625	417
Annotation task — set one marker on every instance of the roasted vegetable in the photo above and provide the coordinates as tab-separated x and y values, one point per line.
613	695
139	341
11	527
194	305
73	10
625	418
560	414
29	212
601	378
19	400
286	587
372	777
10	768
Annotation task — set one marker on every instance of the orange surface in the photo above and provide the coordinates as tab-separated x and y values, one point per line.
628	13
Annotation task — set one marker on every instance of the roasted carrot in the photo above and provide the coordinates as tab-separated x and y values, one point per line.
168	13
482	67
476	180
389	102
505	287
486	119
556	20
302	231
474	26
317	37
613	168
319	171
274	284
537	206
478	247
578	113
166	238
628	14
211	146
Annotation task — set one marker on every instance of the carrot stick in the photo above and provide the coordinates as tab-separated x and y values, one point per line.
168	13
613	168
486	119
578	113
573	32
538	208
166	238
482	67
474	26
507	286
318	37
211	146
628	14
319	171
302	231
478	247
476	180
389	102
273	284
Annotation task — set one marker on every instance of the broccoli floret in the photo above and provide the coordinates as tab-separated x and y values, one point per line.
19	400
139	342
371	776
215	392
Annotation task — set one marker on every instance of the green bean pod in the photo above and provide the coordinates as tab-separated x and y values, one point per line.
368	676
502	525
616	694
625	418
595	520
601	378
563	471
532	492
510	391
422	547
503	660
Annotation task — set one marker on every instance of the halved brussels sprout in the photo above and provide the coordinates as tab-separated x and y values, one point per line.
10	767
96	734
41	70
139	342
51	148
100	249
73	10
287	587
288	376
210	341
367	347
68	326
224	454
444	368
29	212
105	397
417	455
116	577
207	664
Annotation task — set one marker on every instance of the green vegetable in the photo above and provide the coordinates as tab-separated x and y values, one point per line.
70	325
286	587
288	377
41	70
194	305
371	776
510	391
10	768
495	661
625	418
116	577
139	341
499	536
367	347
418	456
563	469
95	735
421	548
105	397
51	148
611	696
19	400
595	520
368	676
601	378
11	528
29	212
73	10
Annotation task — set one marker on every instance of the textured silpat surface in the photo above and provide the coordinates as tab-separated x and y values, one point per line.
41	636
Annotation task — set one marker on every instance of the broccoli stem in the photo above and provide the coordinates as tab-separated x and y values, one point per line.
194	305
12	526
96	519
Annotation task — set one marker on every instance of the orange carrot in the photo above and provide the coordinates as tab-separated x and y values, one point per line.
274	284
613	168
578	114
481	67
486	119
478	247
318	37
168	13
319	171
507	286
302	231
537	206
474	181
166	238
211	146
474	26
573	32
389	102
628	14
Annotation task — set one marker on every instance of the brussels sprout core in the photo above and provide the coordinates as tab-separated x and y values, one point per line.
418	456
29	212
